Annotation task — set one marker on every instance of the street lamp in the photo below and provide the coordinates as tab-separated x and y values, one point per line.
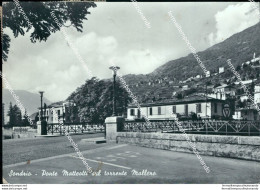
63	112
114	69
41	93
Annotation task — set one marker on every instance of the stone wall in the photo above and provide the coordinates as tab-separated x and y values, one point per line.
213	145
11	134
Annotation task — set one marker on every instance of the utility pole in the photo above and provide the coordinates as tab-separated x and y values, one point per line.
114	69
206	100
41	93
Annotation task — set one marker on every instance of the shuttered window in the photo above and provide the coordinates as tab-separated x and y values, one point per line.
151	111
159	111
174	109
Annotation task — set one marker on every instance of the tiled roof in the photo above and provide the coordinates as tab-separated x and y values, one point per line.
190	99
56	104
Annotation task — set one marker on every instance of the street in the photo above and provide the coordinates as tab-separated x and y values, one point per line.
122	163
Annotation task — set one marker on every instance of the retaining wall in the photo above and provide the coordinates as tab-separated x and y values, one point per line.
213	145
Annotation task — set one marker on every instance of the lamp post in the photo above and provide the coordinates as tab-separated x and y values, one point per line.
114	69
41	93
63	112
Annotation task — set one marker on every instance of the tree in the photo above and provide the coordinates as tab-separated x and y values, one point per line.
37	117
42	23
15	115
3	114
18	115
252	88
11	115
208	83
179	96
25	119
238	68
241	104
71	113
94	100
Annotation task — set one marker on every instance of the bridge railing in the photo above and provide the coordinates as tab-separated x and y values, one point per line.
217	127
56	128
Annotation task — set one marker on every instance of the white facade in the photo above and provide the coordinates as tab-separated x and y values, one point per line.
243	98
59	109
50	116
164	112
218	95
185	87
257	88
247	114
237	115
208	74
257	94
257	98
225	89
221	70
246	82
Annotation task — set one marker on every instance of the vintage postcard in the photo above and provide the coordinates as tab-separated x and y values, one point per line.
134	92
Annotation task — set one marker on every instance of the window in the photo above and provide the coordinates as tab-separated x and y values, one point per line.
47	112
186	109
58	112
138	114
159	111
215	107
173	109
132	112
151	111
198	108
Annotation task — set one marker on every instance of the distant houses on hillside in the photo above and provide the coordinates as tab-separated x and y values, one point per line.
250	112
255	62
203	105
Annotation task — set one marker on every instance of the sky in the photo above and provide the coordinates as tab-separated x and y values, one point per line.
116	33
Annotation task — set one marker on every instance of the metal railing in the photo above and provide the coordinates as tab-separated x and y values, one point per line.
56	128
217	127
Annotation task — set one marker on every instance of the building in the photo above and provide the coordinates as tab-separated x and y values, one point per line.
224	90
185	87
249	114
3	114
199	105
246	82
62	110
255	60
198	76
217	95
243	97
257	94
208	74
221	70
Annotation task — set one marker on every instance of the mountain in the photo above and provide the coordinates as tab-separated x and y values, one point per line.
163	81
94	98
30	101
239	48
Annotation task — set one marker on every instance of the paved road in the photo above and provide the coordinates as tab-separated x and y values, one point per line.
21	150
169	167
